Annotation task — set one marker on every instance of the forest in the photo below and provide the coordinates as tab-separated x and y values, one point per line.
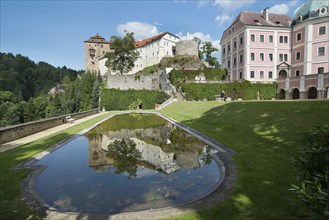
25	86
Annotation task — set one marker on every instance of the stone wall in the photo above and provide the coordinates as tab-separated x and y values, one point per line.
15	132
187	47
138	82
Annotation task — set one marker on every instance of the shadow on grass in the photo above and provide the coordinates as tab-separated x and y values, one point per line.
266	136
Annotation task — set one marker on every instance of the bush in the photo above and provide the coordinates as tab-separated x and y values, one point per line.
312	192
114	99
244	90
179	76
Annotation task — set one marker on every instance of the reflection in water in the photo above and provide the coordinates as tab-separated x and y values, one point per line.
165	166
125	156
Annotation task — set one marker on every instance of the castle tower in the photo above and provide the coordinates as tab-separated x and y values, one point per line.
95	48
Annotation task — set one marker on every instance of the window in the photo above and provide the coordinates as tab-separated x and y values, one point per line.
234	44
270	38
261	56
322	30
252	74
228	48
298	56
285	57
229	64
285	39
281	57
234	61
299	36
270	56
252	38
241	58
281	39
261	38
241	40
321	51
252	56
240	75
261	74
320	70
224	50
297	73
270	74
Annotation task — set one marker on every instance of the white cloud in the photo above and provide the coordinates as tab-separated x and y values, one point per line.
233	4
279	9
293	3
141	30
202	3
221	19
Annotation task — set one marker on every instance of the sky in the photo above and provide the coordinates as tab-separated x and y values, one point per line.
53	31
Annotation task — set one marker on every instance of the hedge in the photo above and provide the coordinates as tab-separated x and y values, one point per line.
243	90
114	99
179	76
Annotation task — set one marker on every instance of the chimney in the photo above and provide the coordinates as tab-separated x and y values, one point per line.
265	13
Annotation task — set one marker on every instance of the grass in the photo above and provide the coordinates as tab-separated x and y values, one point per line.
11	204
266	136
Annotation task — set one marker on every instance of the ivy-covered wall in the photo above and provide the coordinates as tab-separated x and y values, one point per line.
244	90
115	99
179	76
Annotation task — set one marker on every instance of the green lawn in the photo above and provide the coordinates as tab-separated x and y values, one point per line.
265	135
11	204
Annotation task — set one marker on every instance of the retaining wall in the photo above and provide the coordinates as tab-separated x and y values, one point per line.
15	132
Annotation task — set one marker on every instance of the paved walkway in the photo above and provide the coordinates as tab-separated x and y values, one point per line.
16	143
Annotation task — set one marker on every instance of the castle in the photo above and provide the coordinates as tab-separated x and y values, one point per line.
151	51
266	47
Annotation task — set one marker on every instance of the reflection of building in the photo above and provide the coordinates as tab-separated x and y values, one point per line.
155	147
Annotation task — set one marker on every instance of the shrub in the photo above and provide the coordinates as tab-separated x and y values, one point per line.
179	76
312	192
244	90
114	99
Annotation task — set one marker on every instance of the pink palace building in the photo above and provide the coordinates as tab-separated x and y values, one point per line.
265	47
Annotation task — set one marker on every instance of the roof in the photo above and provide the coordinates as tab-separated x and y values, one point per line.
257	19
97	39
144	42
310	9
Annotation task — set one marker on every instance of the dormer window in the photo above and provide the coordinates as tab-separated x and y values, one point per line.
256	21
323	10
300	19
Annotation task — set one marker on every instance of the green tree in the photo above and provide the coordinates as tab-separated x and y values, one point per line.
208	49
95	94
123	55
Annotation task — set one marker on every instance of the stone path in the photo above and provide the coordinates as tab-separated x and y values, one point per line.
19	142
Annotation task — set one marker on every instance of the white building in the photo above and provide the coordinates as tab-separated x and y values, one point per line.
151	51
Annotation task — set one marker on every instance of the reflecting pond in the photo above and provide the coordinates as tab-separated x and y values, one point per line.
130	162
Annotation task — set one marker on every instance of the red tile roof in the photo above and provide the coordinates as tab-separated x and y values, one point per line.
142	43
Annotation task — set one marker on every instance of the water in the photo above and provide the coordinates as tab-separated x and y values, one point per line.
128	163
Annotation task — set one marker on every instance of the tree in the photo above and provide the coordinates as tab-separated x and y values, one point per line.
208	49
124	55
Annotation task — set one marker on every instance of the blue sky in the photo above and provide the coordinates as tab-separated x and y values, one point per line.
53	31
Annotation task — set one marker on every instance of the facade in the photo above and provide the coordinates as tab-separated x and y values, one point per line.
151	51
95	49
256	47
266	47
309	75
